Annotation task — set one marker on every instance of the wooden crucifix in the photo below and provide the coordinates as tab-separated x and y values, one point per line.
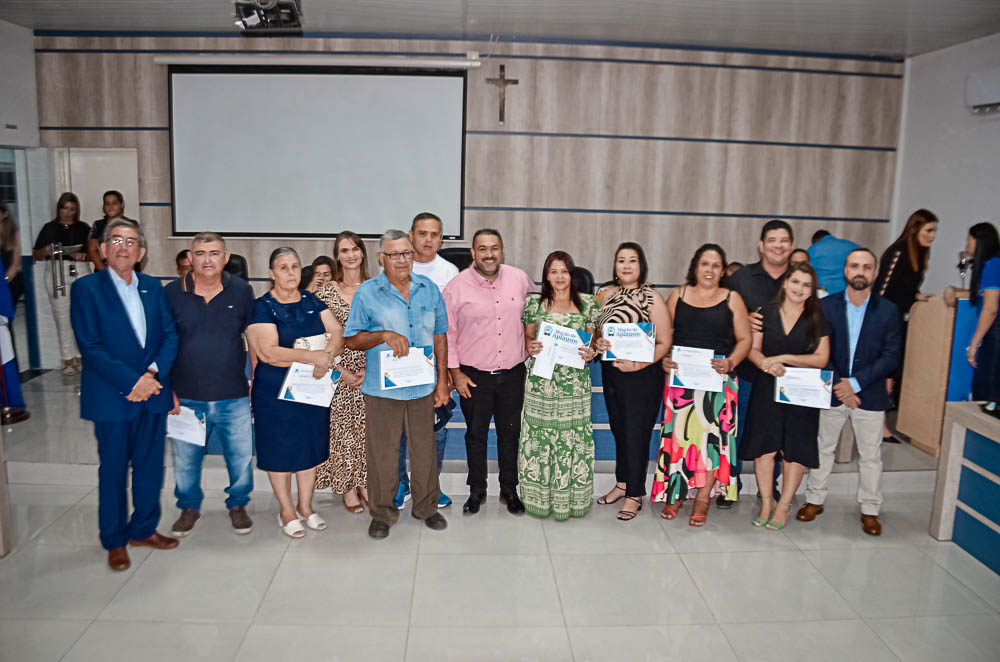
501	83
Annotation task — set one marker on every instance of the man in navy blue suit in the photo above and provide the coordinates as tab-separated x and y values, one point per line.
864	350
126	337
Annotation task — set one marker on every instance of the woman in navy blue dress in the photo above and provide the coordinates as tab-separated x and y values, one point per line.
291	437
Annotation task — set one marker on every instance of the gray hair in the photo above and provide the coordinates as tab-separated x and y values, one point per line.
278	252
207	238
391	235
123	223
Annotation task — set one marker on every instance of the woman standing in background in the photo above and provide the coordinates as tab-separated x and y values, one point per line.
346	471
10	253
983	352
900	274
67	230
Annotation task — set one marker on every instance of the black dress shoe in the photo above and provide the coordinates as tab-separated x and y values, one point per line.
378	530
513	503
436	522
722	502
475	500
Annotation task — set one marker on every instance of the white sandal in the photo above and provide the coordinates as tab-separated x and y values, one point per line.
293	529
314	521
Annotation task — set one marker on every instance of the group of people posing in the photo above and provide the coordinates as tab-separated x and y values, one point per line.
150	350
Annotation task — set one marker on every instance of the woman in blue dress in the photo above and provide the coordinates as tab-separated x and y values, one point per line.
291	437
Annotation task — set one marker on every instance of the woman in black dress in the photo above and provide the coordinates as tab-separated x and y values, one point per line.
900	275
795	334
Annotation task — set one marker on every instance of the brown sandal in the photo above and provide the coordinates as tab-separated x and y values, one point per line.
628	515
698	519
671	509
356	509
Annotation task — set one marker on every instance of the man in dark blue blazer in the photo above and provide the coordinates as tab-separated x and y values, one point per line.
865	347
126	337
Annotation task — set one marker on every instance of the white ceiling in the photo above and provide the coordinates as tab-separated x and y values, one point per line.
876	27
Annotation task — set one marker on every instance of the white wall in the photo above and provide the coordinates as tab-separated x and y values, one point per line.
18	91
949	160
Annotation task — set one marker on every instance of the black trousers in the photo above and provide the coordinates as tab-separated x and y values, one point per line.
633	400
499	397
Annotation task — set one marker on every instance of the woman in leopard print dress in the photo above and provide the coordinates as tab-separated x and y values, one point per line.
346	471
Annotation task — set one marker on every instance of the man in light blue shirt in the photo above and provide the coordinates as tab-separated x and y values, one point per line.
855	318
395	311
827	255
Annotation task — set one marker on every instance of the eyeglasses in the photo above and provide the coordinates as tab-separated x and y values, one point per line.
400	256
129	241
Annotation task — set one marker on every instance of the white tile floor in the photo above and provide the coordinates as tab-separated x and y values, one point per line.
490	587
496	587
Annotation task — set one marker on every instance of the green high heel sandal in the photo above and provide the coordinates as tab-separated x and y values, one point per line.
778	526
760	521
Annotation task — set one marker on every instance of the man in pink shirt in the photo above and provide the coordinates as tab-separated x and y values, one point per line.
486	361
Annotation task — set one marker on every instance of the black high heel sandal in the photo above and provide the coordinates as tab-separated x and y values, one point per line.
628	515
603	500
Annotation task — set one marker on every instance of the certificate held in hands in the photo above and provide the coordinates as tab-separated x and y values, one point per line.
300	386
806	387
560	344
414	369
630	341
694	369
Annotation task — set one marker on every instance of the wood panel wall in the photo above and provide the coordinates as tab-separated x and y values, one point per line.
602	144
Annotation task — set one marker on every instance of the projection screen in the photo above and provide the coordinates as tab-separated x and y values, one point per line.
295	152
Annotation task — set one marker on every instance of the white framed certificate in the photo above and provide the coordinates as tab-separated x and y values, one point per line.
300	386
417	368
806	387
560	344
694	369
633	341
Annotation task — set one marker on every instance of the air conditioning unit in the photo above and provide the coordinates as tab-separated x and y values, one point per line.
982	91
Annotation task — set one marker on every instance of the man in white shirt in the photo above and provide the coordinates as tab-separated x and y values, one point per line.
426	233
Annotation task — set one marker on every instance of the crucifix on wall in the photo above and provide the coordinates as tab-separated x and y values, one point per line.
501	84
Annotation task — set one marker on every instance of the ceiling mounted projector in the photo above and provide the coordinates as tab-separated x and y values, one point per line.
266	18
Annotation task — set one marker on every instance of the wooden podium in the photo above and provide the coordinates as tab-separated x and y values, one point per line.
925	374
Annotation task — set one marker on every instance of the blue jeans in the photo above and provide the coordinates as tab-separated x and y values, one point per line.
227	422
440	438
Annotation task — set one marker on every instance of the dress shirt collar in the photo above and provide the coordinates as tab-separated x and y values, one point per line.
483	281
120	282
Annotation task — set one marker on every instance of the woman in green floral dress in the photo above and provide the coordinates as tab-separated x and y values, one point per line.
556	455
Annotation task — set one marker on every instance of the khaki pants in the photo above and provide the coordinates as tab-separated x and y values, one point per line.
868	435
385	420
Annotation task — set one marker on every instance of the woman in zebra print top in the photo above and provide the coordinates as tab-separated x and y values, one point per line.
633	390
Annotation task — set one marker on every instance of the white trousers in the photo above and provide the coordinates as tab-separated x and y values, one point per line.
60	308
868	435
